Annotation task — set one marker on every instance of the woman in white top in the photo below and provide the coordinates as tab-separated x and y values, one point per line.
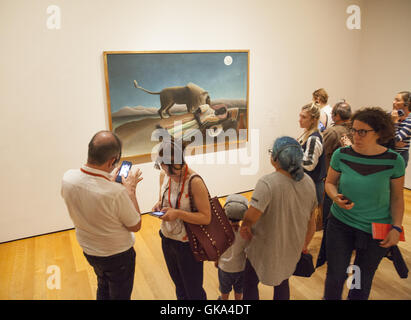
185	271
320	97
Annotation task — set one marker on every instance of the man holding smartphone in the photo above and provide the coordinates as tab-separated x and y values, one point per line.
105	214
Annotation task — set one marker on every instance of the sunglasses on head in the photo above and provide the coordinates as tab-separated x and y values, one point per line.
171	167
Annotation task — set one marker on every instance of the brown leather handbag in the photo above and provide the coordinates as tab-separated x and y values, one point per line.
209	242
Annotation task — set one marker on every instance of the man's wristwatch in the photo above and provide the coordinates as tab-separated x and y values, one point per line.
396	228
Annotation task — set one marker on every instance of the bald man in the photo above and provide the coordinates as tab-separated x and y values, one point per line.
105	215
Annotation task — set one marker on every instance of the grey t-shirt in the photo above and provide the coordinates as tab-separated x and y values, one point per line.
279	234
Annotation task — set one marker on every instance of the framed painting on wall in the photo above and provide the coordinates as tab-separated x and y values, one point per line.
183	92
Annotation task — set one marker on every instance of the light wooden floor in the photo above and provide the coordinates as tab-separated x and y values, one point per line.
24	265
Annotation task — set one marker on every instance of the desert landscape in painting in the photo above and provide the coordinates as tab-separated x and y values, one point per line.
135	125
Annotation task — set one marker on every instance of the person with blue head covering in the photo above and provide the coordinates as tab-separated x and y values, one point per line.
287	151
281	213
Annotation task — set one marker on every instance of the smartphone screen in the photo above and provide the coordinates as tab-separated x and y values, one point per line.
124	170
348	200
157	213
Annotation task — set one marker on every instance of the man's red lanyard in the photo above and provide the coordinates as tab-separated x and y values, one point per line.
94	174
181	191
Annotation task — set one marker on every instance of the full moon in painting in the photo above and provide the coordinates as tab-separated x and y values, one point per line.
228	60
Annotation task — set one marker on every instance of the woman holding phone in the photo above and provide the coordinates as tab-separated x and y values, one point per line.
175	177
365	181
400	114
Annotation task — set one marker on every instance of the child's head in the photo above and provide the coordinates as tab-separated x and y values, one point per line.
235	207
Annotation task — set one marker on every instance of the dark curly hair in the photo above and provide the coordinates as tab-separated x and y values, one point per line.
379	120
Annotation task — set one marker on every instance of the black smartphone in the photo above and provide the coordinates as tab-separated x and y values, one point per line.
124	170
400	112
157	214
345	198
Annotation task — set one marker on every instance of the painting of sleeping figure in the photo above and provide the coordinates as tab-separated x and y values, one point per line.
201	94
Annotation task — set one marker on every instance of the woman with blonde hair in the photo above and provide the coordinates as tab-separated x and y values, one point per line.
320	97
311	142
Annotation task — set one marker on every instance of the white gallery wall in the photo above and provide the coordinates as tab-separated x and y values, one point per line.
385	64
53	95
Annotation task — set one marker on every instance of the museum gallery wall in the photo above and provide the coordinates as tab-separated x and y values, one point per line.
54	93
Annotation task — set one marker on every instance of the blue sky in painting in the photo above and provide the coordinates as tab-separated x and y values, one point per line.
156	71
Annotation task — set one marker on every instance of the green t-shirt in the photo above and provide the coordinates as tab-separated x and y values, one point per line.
365	180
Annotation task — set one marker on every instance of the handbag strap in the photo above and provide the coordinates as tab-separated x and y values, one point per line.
190	193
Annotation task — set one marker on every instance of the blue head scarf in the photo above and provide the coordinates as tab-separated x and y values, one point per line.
289	154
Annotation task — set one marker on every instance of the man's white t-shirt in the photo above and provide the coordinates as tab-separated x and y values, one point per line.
100	210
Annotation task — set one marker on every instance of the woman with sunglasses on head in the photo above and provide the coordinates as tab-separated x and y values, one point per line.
365	181
185	271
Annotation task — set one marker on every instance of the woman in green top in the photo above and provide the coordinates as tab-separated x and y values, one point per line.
365	181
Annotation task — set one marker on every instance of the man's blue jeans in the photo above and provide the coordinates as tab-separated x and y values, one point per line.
341	241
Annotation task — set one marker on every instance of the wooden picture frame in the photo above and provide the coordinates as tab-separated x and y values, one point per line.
147	89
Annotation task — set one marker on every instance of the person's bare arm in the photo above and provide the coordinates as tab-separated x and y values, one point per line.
397	211
130	183
324	118
331	187
310	231
201	201
157	206
135	228
250	218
